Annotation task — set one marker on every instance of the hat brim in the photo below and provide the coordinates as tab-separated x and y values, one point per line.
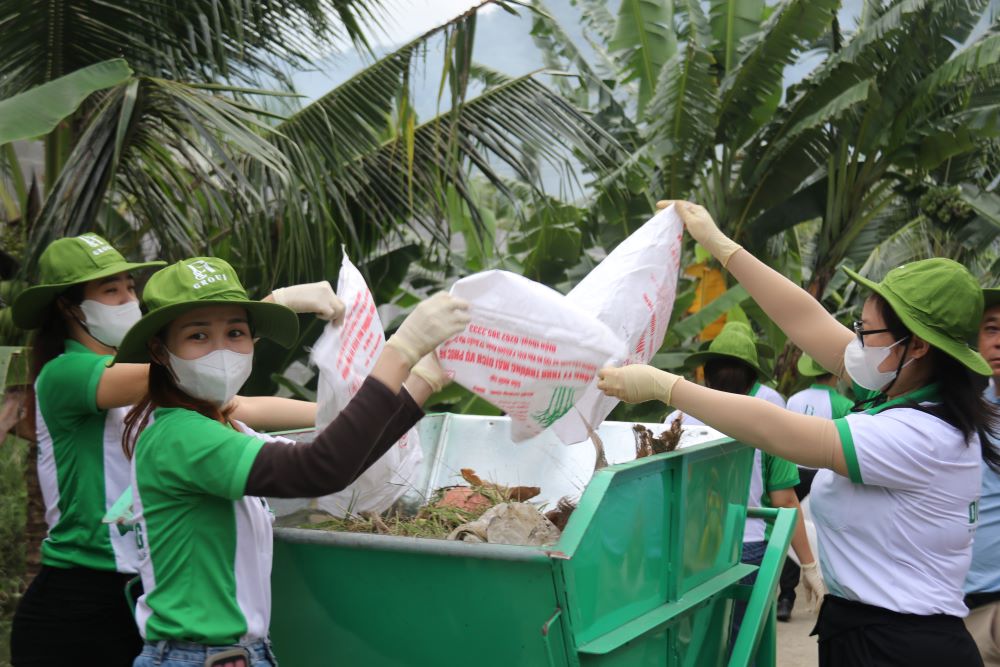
269	320
30	308
807	367
956	348
701	358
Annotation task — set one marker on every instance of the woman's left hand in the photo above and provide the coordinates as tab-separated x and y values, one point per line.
429	370
316	298
637	383
814	585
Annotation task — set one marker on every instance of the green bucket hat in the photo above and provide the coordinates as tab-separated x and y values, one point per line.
195	283
809	367
64	263
735	341
938	300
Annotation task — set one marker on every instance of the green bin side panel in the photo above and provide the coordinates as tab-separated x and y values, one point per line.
650	650
617	570
711	506
702	638
699	639
644	533
335	605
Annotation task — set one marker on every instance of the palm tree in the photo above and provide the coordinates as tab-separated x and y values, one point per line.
177	156
903	104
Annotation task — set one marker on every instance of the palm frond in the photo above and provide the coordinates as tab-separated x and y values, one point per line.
174	155
858	60
730	23
193	40
780	163
751	92
643	41
682	118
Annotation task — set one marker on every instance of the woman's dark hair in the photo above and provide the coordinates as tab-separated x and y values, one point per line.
49	341
730	375
962	402
163	392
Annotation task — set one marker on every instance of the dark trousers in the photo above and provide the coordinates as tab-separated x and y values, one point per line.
854	634
74	616
790	571
753	554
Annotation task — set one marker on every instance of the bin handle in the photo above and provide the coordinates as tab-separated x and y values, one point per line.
546	630
760	607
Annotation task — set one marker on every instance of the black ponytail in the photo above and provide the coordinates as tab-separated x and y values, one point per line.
963	404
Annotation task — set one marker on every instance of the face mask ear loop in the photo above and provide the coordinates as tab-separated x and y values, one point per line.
157	359
884	394
83	325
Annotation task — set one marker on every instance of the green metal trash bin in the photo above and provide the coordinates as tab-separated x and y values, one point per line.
644	574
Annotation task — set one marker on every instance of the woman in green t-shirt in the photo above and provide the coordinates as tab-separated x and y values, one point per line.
80	310
199	474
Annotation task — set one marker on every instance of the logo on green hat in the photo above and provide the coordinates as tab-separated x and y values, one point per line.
98	245
204	273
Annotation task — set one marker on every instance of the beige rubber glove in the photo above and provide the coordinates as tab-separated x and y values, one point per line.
316	298
637	383
429	370
431	323
703	229
812	582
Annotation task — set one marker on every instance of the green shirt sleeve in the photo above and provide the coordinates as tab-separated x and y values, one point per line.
778	473
204	456
850	453
67	386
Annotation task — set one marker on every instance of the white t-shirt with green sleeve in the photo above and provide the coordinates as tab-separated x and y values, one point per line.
81	467
205	548
898	532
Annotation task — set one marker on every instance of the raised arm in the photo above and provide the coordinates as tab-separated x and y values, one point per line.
794	310
378	415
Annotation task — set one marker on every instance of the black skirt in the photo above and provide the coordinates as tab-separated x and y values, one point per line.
854	634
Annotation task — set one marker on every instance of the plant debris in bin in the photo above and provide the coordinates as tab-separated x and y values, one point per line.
483	511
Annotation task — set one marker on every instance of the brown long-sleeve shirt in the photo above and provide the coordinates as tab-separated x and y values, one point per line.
365	430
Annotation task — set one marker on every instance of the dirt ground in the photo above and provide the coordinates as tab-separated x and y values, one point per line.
795	647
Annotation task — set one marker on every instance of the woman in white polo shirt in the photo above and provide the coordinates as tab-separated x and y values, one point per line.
75	609
894	505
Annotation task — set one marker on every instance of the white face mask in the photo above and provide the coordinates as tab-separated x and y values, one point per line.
862	362
215	377
109	324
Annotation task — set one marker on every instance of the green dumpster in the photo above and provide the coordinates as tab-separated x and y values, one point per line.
645	572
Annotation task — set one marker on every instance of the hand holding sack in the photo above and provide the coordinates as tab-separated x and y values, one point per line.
632	292
345	354
316	298
429	370
431	323
703	229
637	383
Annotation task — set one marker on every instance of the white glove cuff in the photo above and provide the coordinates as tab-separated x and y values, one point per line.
408	353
